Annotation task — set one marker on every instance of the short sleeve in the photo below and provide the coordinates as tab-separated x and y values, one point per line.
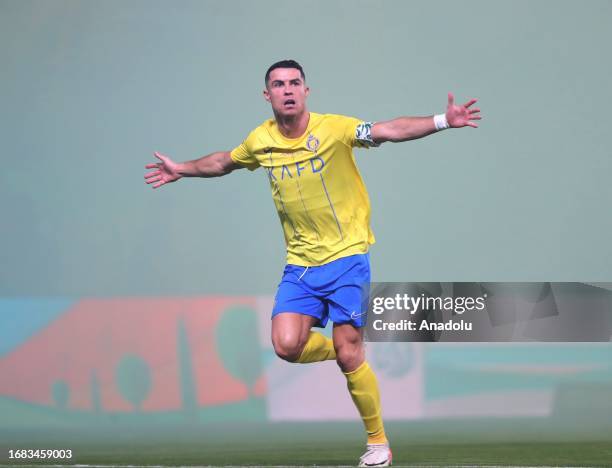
241	155
355	132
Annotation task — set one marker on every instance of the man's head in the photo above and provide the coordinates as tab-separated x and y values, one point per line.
286	88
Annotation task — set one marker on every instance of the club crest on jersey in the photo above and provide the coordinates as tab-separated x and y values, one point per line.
312	143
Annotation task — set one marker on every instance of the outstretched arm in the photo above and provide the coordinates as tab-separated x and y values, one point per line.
411	128
166	171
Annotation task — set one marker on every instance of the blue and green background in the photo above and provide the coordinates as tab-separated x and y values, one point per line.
111	292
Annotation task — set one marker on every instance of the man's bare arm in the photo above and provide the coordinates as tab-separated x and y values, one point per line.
411	128
403	129
167	171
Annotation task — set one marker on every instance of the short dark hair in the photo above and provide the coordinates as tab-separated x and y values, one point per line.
285	64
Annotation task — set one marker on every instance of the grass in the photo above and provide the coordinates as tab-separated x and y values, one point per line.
439	443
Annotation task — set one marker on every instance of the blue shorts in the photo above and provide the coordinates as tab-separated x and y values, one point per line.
338	290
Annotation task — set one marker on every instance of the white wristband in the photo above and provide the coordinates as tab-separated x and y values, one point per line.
440	122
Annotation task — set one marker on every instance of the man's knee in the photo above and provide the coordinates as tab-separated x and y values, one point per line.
349	356
348	342
290	334
288	346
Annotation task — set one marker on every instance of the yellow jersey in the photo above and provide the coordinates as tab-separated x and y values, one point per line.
319	194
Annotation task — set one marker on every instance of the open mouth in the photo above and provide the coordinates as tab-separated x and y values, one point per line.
289	103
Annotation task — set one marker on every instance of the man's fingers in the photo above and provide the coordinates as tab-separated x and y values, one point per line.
155	177
474	110
470	102
475	117
451	99
472	124
160	156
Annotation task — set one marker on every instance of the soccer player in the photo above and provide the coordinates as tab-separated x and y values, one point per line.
324	210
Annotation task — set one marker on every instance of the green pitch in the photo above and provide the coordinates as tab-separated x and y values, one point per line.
442	443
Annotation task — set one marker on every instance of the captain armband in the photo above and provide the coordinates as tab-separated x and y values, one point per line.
363	135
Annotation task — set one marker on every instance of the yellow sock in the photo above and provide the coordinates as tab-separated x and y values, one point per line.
363	386
317	348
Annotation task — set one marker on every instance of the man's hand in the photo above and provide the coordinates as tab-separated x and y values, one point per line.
165	171
461	116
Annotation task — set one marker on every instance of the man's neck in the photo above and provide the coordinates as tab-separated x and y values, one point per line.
293	126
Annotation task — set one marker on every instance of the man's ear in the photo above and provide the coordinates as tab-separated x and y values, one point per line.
307	91
266	95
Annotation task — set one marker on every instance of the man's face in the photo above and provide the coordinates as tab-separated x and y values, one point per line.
286	91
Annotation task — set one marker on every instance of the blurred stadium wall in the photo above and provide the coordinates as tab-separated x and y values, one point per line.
150	361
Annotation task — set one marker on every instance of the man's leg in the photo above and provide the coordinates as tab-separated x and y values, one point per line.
294	341
361	380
